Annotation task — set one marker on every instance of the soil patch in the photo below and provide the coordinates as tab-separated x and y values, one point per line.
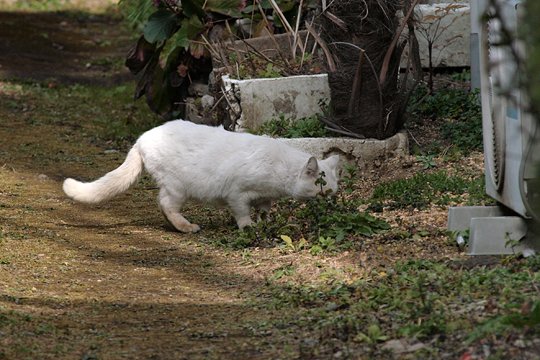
67	47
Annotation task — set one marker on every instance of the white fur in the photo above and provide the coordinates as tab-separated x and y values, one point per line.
212	165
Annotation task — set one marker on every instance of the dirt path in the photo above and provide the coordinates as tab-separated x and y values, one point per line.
108	281
98	282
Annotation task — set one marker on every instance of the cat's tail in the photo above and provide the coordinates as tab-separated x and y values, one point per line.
109	185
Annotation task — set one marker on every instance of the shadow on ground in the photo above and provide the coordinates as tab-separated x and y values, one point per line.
66	47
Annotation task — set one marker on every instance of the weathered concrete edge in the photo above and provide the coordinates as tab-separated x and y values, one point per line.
363	152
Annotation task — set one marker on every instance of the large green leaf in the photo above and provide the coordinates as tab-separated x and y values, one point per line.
136	11
266	4
193	7
287	5
179	40
232	8
160	26
190	29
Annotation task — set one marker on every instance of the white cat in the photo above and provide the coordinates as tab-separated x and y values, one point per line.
210	164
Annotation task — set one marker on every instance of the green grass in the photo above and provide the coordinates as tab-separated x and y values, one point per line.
425	188
320	225
458	113
110	113
439	304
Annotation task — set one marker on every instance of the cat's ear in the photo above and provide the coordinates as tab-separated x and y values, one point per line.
332	161
312	167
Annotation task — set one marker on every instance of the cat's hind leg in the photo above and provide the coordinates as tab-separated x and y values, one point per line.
170	204
241	209
262	207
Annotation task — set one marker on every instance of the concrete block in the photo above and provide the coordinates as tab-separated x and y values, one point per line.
490	235
490	229
459	217
260	100
452	45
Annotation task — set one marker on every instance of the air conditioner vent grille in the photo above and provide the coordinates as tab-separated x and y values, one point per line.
496	141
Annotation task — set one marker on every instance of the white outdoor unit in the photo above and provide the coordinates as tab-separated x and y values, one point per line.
511	141
508	129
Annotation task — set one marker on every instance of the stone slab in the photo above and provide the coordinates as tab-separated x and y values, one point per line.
362	152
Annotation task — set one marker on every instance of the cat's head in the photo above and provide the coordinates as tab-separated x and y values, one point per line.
317	176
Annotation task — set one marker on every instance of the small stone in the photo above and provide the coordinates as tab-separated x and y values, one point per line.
401	346
394	345
528	252
198	89
207	101
43	177
519	343
309	342
332	306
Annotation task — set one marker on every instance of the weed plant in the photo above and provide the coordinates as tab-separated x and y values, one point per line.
284	127
458	111
325	223
427	188
255	67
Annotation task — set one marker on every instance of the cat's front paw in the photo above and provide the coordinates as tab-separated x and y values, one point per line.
244	222
194	228
189	228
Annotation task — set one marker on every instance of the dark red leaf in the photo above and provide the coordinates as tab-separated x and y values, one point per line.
140	55
182	70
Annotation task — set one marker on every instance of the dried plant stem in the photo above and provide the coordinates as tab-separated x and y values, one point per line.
393	44
281	16
340	23
339	129
379	88
296	38
357	83
329	58
287	25
277	47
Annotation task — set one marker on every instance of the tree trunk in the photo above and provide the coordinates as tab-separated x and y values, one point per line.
359	102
